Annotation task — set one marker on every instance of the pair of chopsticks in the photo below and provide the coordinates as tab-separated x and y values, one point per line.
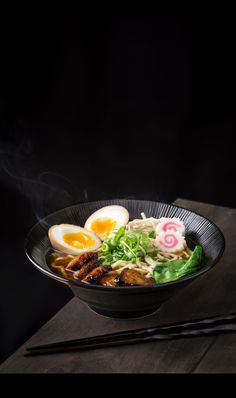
193	328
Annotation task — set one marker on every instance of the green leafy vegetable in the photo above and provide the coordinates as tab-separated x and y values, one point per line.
152	234
196	257
153	254
172	270
125	245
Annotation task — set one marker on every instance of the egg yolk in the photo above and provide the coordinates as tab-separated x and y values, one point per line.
79	240
103	226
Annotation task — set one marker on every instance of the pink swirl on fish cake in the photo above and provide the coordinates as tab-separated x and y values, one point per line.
170	224
170	241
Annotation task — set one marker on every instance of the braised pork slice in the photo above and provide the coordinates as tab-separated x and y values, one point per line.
131	277
109	279
85	269
78	262
95	275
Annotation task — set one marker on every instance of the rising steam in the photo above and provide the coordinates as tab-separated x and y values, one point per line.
46	191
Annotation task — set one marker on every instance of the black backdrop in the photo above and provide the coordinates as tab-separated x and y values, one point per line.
106	108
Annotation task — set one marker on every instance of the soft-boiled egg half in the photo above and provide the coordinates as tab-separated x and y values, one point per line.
72	239
107	219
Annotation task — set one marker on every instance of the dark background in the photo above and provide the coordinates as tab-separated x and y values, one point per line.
106	108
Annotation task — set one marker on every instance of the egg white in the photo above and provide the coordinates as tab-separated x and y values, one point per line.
56	232
115	212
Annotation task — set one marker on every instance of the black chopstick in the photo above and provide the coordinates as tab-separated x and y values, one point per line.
206	331
154	329
197	327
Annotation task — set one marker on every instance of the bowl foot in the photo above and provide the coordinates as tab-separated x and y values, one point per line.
124	314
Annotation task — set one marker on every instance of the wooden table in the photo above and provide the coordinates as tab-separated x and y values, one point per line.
211	294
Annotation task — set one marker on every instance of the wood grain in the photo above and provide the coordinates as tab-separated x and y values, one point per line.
210	294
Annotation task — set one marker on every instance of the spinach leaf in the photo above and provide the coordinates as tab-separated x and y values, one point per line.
172	270
196	256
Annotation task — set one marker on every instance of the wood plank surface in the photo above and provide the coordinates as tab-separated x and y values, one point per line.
210	294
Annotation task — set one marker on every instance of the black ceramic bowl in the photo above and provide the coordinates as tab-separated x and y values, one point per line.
135	301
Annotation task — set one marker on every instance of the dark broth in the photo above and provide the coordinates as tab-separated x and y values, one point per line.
57	262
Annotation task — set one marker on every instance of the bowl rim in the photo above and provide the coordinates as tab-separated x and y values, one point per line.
70	282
